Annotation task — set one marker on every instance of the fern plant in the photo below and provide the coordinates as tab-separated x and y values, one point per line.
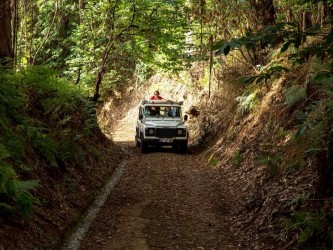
15	194
315	120
42	113
295	94
271	161
312	229
246	103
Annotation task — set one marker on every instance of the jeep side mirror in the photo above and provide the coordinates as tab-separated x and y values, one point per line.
140	117
185	117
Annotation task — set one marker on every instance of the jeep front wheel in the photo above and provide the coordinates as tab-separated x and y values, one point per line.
180	148
183	148
143	146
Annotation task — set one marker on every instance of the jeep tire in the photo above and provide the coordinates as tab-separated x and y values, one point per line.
180	148
183	148
143	146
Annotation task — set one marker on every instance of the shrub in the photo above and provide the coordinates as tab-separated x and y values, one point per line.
41	112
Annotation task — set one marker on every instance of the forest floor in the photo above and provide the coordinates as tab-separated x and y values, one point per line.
168	201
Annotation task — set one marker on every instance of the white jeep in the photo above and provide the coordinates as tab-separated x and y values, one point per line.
160	123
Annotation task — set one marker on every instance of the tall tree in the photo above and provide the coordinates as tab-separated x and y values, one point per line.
264	14
6	50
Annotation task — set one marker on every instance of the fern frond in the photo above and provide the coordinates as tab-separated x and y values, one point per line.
246	103
25	202
3	152
5	207
25	186
7	175
294	94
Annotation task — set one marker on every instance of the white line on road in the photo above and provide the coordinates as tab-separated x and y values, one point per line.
74	241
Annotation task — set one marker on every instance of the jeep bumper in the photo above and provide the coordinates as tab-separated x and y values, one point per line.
164	141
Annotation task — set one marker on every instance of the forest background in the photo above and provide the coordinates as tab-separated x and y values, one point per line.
60	59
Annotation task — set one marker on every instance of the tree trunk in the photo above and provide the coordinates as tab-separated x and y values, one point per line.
98	82
15	29
264	16
109	46
210	64
327	11
306	23
264	12
82	7
202	15
325	172
6	51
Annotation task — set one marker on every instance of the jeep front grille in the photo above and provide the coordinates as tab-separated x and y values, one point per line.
166	132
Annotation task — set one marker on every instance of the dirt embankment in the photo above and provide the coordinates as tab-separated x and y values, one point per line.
63	197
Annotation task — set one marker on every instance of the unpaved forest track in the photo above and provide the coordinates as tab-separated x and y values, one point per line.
162	201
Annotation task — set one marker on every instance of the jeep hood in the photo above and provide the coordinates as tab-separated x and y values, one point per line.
164	123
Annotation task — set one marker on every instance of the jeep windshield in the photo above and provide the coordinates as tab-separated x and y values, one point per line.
162	111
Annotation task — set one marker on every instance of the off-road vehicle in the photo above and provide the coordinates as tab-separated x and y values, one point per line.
160	123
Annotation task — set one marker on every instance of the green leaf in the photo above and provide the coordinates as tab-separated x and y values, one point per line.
262	77
277	69
248	79
284	47
226	50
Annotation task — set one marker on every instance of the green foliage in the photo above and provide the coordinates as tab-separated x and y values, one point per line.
311	228
76	39
39	112
293	165
272	162
295	94
236	159
267	73
298	200
268	36
314	121
213	160
90	110
39	138
313	98
281	133
246	102
15	194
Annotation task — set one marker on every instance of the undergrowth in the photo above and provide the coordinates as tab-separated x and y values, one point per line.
304	114
43	115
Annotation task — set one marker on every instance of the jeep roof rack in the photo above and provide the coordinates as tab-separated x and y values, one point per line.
161	102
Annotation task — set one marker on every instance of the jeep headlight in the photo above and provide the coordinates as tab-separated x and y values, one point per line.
150	131
181	132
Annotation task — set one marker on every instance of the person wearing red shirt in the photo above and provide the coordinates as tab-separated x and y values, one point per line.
156	96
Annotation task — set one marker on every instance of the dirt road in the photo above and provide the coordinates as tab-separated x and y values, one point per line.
162	201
